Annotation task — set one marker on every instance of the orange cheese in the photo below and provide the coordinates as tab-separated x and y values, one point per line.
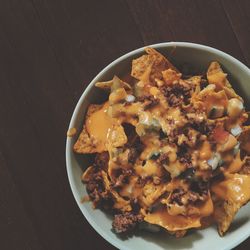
149	169
176	221
205	151
236	164
172	222
207	208
175	115
151	193
98	125
235	188
218	78
217	99
132	189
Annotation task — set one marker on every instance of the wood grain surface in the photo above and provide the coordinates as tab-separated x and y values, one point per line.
49	52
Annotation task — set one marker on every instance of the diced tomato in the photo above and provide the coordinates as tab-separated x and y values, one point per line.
220	135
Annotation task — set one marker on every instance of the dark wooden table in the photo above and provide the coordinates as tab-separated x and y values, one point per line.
49	52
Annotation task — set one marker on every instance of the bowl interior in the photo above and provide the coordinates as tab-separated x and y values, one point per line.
197	57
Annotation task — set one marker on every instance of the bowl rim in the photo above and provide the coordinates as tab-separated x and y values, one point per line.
85	93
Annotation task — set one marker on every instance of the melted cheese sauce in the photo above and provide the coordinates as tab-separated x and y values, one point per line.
99	124
205	151
151	193
152	145
235	188
172	222
176	209
132	189
207	208
236	165
151	168
176	116
176	183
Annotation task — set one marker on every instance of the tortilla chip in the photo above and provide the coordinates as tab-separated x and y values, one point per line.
195	80
170	76
120	203
215	75
202	94
178	233
245	139
245	169
86	176
149	67
217	100
115	83
117	137
224	214
172	223
231	194
71	132
84	144
231	93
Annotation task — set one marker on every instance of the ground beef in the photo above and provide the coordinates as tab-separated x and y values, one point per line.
162	134
203	127
95	183
149	101
188	174
101	160
198	192
193	137
193	197
176	196
198	121
186	160
122	177
163	159
142	181
126	222
246	167
200	187
182	197
175	101
97	193
183	156
133	155
177	94
135	150
173	135
195	116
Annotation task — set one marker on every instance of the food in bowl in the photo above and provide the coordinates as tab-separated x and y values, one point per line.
171	151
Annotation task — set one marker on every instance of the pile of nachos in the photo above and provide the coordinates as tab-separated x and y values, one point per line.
171	151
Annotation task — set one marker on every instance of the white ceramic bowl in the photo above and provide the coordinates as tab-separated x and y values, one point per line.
199	57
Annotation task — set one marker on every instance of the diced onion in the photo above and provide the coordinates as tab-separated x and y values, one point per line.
236	148
214	161
234	108
236	130
130	98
